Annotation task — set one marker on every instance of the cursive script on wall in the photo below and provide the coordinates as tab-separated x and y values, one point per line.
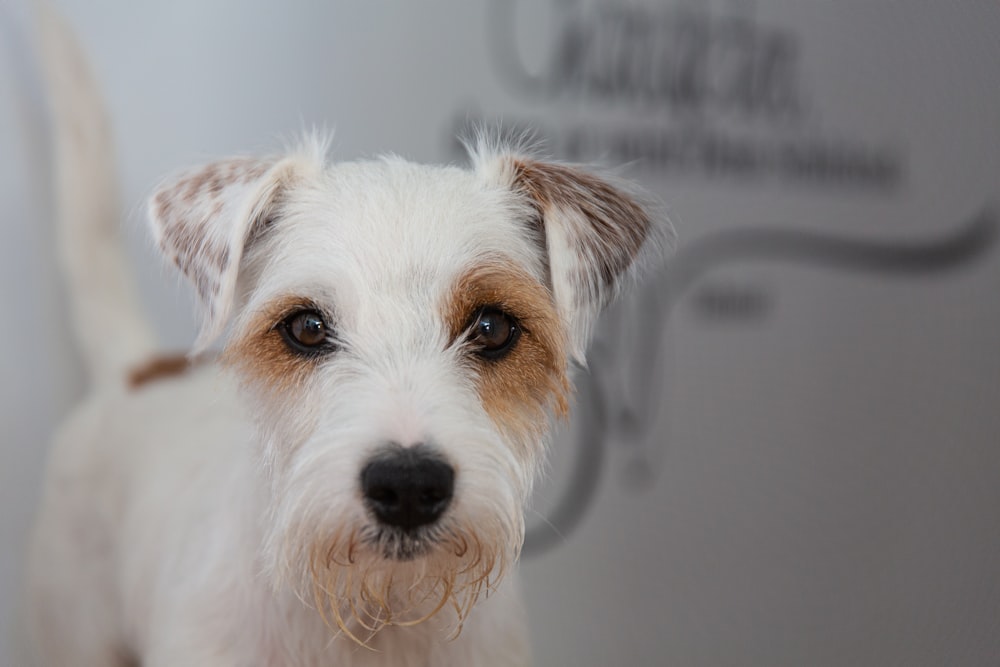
683	58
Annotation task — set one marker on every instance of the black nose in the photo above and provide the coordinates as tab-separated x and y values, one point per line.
408	487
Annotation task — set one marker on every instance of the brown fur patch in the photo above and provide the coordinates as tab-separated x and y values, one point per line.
518	389
187	212
261	356
616	224
158	368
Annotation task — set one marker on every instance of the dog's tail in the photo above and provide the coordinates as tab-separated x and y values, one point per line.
106	316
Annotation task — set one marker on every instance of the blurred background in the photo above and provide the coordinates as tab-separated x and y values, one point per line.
787	447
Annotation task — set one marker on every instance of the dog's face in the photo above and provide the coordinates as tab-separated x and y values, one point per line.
403	334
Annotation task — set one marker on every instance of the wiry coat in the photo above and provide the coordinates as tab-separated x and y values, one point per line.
216	518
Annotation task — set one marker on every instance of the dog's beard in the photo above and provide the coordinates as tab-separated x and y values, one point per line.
321	542
363	580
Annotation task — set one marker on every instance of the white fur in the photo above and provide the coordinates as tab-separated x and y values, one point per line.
102	295
180	521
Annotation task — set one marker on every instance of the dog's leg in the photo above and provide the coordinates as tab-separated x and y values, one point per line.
71	611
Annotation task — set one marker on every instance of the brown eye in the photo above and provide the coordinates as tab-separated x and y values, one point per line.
494	333
306	333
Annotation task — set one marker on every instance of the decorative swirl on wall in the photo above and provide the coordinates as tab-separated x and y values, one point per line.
612	405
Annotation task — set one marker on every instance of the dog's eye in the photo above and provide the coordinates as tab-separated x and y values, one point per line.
494	333
305	332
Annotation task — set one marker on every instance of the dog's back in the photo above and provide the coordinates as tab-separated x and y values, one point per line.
121	471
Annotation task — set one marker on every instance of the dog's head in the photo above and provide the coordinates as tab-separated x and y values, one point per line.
404	334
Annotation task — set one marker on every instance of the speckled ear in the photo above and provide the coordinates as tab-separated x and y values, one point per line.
203	218
594	230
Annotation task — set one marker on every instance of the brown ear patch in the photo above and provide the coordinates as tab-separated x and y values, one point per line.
186	212
261	356
519	389
609	227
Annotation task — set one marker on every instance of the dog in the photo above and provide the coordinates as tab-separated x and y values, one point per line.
344	483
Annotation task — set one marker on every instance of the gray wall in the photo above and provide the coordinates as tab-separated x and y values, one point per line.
787	449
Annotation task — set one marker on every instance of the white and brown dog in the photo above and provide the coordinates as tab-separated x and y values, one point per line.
346	485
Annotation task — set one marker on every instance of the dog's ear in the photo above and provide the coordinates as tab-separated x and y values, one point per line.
594	231
204	218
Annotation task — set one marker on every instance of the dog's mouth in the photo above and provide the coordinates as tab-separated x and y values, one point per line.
405	544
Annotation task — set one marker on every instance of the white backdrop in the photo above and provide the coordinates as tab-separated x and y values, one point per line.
799	418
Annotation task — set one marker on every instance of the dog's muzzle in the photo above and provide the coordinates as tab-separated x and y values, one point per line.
407	487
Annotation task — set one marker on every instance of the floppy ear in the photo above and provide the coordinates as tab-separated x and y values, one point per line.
594	231
202	220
